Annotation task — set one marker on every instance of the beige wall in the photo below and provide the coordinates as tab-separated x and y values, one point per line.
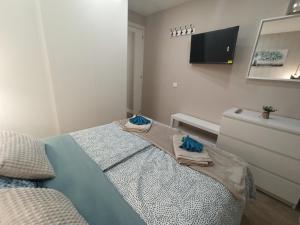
279	41
26	102
88	60
206	91
136	18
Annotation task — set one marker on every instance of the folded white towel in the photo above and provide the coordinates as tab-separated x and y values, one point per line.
137	128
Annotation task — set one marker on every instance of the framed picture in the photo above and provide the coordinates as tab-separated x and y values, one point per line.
270	57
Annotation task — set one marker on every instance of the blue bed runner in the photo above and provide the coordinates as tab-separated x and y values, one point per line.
83	182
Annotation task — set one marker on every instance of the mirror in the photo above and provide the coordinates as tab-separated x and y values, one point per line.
276	54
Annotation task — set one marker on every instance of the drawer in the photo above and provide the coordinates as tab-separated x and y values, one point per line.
280	165
275	140
276	185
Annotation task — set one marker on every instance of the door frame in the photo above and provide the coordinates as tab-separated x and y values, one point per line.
138	67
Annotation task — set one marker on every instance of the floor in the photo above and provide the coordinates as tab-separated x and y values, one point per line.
265	210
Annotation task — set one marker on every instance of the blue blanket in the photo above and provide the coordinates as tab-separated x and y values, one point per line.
83	182
6	182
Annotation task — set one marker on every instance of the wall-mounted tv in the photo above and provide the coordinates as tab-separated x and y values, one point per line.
215	47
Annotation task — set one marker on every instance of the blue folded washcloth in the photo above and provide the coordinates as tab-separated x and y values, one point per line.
139	120
191	144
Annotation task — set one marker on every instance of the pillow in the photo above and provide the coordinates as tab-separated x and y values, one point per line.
6	182
37	206
23	157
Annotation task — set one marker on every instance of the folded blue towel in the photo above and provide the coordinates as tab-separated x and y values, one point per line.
191	144
139	120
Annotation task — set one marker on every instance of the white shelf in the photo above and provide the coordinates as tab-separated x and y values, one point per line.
195	122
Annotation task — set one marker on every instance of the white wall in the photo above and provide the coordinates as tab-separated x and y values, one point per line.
63	64
130	69
87	49
136	18
26	104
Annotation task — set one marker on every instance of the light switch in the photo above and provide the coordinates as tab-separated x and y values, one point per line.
175	84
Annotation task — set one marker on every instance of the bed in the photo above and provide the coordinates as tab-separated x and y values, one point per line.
116	177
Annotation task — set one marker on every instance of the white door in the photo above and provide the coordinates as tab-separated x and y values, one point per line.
135	68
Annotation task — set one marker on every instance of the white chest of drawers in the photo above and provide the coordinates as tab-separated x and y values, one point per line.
271	147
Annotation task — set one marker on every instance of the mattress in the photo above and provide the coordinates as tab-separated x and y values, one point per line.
158	189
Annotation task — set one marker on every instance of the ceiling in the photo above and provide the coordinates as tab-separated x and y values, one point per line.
148	7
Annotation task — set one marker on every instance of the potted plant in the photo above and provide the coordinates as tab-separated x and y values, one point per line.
267	110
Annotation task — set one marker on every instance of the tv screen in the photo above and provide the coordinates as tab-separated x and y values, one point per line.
215	47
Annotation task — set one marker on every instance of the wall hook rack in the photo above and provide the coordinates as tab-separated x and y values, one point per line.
182	30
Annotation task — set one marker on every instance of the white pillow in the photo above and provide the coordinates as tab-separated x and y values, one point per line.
23	157
35	206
